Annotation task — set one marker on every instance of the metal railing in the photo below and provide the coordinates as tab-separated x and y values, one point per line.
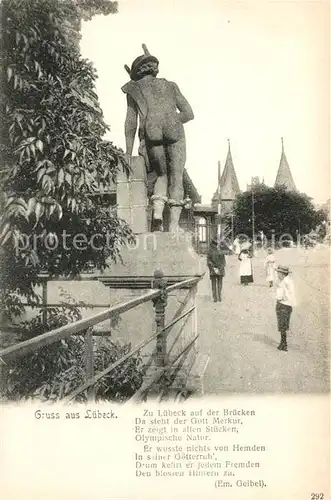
44	305
162	359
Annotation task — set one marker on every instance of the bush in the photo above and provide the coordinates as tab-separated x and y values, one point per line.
53	372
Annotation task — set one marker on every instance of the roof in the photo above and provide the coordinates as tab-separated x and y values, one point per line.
189	188
229	184
198	207
284	176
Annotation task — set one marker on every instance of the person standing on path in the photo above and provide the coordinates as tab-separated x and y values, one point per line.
285	297
245	268
236	246
269	266
216	265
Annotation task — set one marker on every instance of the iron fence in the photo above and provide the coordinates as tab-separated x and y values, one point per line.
162	360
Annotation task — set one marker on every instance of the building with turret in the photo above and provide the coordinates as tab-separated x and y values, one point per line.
256	183
228	186
204	220
284	176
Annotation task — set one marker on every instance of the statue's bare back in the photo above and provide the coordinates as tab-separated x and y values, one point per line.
162	110
162	124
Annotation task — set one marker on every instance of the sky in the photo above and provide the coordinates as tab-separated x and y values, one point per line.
253	71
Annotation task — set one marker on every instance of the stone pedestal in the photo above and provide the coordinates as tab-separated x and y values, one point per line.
131	193
176	257
171	252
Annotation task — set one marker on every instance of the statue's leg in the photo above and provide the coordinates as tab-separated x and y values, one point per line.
176	154
158	161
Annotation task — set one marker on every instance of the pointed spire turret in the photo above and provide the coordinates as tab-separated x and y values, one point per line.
284	176
228	182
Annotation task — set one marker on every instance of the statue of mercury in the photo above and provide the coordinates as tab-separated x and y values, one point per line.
162	111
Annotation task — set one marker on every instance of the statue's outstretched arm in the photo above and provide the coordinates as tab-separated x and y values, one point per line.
130	124
185	111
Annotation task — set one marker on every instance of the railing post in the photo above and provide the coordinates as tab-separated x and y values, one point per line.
195	316
2	377
89	367
159	282
44	298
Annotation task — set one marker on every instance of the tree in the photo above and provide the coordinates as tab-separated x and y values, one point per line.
275	209
53	154
89	8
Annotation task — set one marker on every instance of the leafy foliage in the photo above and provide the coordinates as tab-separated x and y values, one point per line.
54	371
276	209
90	8
53	154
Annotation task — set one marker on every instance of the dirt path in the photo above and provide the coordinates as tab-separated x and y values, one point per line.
241	337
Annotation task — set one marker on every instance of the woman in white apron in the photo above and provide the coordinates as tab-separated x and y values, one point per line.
245	268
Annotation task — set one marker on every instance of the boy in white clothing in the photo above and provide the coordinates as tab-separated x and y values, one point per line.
285	297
